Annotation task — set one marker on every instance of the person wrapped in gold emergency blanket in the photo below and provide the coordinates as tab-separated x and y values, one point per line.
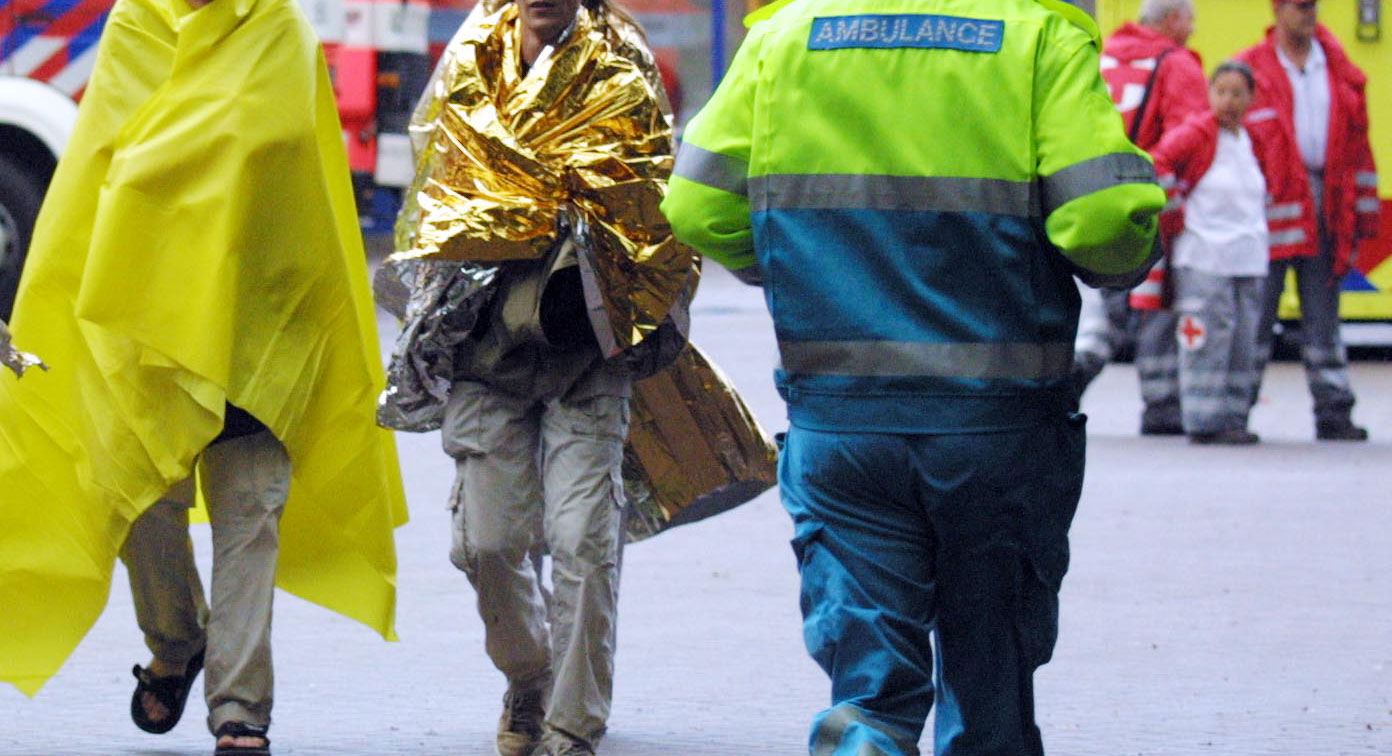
542	295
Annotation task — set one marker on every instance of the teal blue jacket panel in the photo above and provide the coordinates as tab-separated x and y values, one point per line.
920	280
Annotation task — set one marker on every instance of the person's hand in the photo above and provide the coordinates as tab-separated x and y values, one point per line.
13	358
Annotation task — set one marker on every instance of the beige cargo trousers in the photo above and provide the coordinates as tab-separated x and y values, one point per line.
557	461
246	481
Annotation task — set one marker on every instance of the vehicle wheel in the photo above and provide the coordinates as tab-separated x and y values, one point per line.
21	192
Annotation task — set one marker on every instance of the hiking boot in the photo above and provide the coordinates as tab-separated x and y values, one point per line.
1227	438
1344	431
519	728
560	743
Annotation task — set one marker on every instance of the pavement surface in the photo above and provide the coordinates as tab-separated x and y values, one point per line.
1221	601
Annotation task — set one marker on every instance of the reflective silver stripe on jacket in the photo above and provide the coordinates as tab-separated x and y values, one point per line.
1091	176
712	169
833	727
883	359
1366	179
850	191
1285	238
1285	211
1367	204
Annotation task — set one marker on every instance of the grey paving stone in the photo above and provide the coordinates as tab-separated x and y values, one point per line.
1221	601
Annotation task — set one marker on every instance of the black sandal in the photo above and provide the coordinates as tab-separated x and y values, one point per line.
172	693
242	730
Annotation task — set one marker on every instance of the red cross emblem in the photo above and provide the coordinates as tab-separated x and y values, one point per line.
1192	333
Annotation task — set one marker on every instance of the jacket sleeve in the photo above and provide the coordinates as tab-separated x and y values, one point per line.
1098	191
1366	202
1172	157
1184	90
707	199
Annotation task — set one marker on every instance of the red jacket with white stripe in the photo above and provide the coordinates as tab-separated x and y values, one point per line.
1128	58
1186	153
1183	157
1350	208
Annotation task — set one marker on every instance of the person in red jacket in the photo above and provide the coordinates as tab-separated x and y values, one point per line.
1156	82
1236	192
1307	83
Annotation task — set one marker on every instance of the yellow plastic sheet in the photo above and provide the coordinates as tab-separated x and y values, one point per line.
198	245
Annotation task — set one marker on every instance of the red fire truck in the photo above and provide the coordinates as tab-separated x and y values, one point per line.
379	51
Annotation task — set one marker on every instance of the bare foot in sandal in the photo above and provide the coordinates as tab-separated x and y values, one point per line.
154	710
160	693
241	739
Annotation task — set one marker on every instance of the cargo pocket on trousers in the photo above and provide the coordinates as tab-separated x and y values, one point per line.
1037	615
462	428
815	599
459	554
603	417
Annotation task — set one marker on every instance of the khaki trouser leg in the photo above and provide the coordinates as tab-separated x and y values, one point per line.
493	438
246	481
165	587
582	460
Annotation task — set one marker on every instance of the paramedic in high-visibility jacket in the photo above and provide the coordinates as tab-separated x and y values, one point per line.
914	183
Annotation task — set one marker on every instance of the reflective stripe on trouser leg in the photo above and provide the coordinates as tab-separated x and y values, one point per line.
1266	324
1157	365
583	438
1094	329
1000	506
165	587
846	730
1326	362
245	481
1244	366
865	558
896	533
1216	333
493	438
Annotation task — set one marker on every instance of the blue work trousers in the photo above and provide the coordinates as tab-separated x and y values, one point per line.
930	569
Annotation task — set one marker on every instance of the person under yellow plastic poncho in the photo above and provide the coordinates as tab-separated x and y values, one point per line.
198	256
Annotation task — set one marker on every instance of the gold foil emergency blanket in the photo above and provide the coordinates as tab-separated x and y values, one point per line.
13	358
438	303
579	141
503	164
694	449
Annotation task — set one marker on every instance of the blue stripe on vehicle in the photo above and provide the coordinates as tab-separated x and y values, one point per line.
23	33
85	39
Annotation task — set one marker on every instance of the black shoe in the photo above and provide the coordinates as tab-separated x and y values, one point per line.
1161	429
1225	438
1344	431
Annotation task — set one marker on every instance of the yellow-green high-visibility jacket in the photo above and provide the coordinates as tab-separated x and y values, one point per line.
917	181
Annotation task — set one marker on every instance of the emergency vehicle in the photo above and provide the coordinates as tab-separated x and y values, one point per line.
380	53
1225	27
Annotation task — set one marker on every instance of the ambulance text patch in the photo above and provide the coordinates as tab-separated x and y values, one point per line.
894	30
